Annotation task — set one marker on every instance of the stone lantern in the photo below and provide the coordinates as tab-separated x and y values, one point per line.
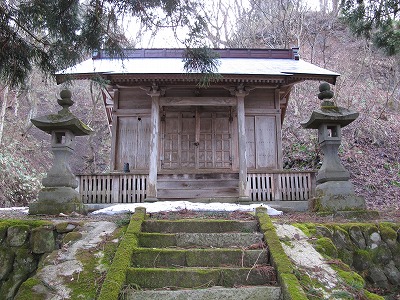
59	194
334	191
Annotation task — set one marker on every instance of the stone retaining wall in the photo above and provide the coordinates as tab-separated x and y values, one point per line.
373	250
22	244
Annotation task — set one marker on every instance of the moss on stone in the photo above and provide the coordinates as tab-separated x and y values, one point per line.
116	275
27	290
87	284
65	227
387	231
313	288
345	255
364	254
309	229
381	255
326	247
71	237
369	227
156	240
352	279
370	296
4	224
291	288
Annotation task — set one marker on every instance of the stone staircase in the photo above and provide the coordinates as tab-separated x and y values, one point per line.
201	259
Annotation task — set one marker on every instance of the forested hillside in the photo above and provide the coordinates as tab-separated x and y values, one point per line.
369	83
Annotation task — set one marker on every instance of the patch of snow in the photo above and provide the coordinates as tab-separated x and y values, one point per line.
165	206
24	209
181	205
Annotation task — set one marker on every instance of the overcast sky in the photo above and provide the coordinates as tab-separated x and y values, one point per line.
165	38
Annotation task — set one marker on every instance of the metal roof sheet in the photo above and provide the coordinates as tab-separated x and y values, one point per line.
237	66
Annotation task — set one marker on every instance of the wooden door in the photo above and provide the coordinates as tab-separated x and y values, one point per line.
197	138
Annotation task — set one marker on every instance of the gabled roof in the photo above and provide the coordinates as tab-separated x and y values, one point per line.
236	65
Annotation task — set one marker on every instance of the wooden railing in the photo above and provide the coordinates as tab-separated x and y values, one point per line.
131	188
112	188
281	186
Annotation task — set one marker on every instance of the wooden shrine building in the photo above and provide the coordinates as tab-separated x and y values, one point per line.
184	142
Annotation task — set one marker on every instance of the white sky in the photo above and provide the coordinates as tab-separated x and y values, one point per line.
165	38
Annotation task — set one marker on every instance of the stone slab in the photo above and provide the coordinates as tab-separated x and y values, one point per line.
198	258
56	200
254	293
199	277
336	196
218	240
200	226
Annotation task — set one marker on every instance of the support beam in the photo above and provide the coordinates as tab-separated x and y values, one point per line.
244	194
155	128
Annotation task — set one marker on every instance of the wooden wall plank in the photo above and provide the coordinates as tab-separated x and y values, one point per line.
250	142
265	137
133	142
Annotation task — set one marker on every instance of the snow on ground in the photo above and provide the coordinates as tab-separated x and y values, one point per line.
171	206
181	205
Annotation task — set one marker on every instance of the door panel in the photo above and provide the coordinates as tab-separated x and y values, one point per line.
197	139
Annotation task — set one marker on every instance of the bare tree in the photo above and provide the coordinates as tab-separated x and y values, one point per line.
271	24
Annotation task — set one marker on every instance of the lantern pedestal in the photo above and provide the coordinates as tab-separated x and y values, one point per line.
59	194
334	191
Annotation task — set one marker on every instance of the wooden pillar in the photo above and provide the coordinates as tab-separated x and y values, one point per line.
155	126
244	194
114	130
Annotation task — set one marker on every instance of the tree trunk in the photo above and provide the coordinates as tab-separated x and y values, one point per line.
3	112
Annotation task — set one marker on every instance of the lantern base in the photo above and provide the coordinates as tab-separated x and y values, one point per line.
336	196
56	200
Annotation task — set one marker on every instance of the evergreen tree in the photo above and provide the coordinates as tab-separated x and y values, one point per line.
376	20
54	34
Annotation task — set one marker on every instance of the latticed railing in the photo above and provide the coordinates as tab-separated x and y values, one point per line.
112	188
281	186
131	188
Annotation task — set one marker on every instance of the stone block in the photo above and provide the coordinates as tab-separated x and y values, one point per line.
6	262
42	240
392	273
3	234
377	277
65	227
357	236
337	196
24	265
53	201
72	237
17	235
221	293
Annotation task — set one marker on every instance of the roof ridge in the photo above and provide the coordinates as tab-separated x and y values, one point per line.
292	53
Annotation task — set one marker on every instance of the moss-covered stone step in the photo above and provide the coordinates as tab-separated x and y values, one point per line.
155	258
221	293
153	278
216	240
198	226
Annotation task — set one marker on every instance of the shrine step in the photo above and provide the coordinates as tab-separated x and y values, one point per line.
199	226
161	258
202	240
155	278
242	293
200	259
